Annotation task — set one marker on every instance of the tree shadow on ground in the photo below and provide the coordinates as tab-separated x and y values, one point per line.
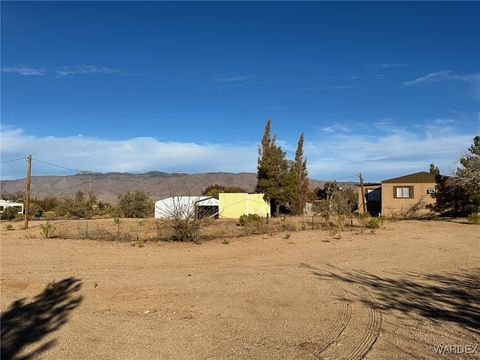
453	297
26	323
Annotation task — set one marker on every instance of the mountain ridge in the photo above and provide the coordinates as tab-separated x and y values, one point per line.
156	184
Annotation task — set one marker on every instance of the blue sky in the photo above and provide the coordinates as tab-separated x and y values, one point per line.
382	88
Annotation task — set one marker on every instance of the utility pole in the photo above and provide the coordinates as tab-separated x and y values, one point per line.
90	185
362	192
27	192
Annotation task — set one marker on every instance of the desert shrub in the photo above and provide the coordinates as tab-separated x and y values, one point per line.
47	230
249	219
370	222
286	236
252	224
339	221
18	196
8	227
123	237
373	223
473	218
289	225
135	204
363	216
322	208
9	213
78	207
186	230
50	214
100	234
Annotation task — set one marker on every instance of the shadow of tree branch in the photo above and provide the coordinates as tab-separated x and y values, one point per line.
451	297
26	323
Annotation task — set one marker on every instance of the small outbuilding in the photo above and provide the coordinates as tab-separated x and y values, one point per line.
184	207
234	205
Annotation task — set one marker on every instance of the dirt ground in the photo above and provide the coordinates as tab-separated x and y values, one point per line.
397	293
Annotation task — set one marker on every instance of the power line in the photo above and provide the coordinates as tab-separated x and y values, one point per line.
9	161
59	166
347	177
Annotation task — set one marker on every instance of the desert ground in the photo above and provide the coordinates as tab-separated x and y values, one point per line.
396	293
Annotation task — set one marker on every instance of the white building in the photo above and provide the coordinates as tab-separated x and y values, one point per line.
7	203
185	207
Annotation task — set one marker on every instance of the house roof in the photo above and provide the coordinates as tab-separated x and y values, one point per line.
188	200
370	184
419	177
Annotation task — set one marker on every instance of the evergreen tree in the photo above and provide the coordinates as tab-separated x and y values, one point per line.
275	178
301	178
434	169
460	195
470	173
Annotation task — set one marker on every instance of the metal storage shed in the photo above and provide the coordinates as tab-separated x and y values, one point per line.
184	207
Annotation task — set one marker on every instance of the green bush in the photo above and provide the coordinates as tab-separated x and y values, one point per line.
252	224
374	223
81	206
47	230
186	230
135	204
9	213
50	214
9	227
249	219
473	218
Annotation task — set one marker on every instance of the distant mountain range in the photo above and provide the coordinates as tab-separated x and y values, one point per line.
157	184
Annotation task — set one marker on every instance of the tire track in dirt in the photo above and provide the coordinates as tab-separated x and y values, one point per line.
357	335
349	346
318	345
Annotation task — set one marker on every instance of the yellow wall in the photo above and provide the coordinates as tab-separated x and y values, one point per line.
234	205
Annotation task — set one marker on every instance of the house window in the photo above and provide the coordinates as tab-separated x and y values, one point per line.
403	192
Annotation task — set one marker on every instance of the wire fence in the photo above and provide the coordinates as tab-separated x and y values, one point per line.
150	229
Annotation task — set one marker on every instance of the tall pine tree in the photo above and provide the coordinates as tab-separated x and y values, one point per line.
274	176
300	174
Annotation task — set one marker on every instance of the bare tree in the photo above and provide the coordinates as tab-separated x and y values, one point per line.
185	215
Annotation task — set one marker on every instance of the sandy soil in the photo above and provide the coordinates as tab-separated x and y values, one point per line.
394	294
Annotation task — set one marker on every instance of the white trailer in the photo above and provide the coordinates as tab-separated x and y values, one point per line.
7	203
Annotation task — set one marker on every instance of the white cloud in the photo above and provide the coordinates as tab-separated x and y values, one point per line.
232	78
385	152
387	65
393	152
392	66
130	155
24	70
341	87
444	75
85	69
336	129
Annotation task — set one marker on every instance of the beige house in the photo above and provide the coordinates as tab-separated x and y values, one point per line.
402	196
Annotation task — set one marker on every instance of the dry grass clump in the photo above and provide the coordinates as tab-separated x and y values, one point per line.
370	222
289	225
473	218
